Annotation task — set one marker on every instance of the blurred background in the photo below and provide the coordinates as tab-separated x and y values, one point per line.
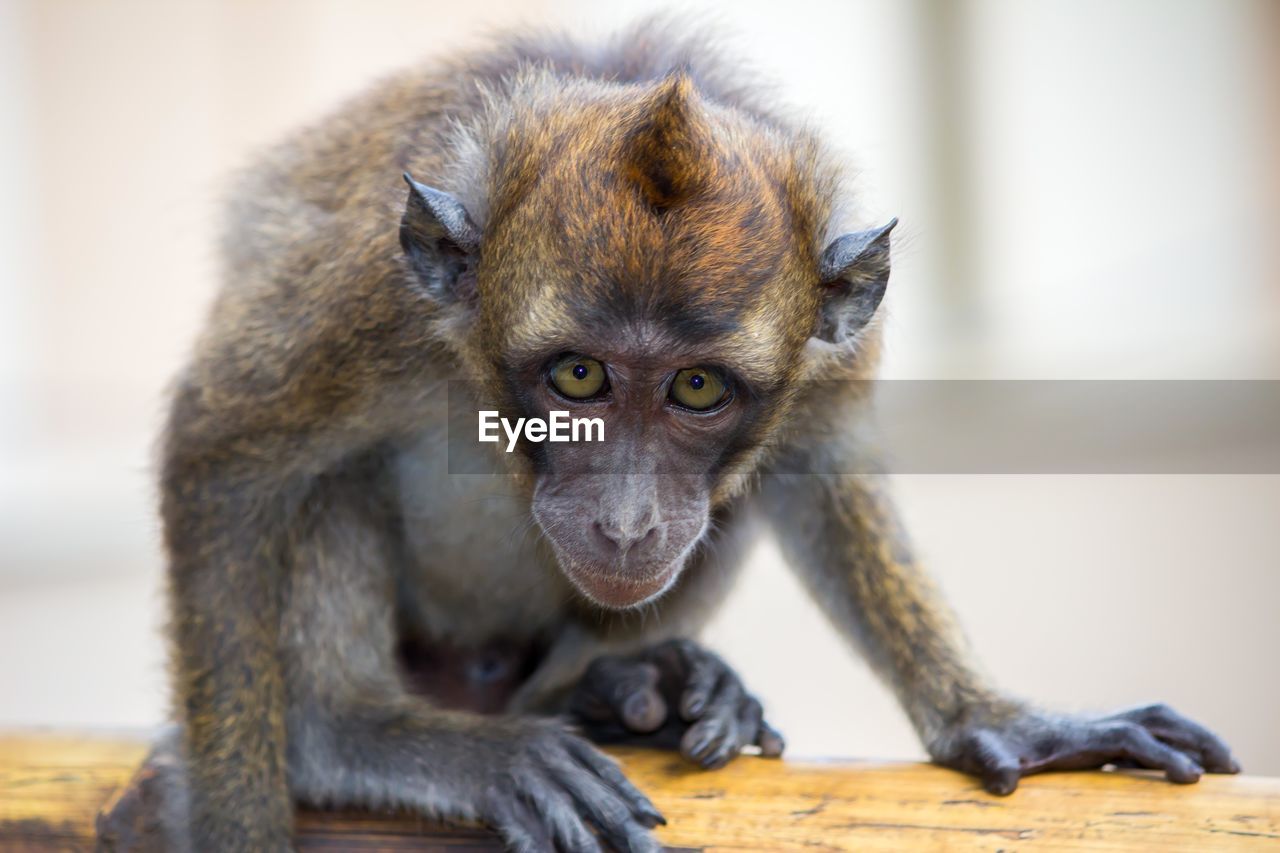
1088	190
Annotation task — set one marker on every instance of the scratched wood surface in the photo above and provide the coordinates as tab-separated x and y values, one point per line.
53	786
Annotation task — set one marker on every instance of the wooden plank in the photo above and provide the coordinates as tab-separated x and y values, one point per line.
53	786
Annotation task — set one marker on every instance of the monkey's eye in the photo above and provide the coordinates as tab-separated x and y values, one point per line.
699	389
578	377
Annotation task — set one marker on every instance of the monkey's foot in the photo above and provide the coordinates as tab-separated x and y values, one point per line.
1002	747
676	695
149	815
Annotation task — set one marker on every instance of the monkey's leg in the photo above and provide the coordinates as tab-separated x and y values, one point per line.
675	695
358	739
841	534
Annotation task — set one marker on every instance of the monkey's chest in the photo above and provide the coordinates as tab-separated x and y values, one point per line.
474	572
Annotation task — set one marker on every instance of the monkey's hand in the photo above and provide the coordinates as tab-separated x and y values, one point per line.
675	695
1000	746
553	787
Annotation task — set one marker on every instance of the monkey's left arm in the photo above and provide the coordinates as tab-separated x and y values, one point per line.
841	534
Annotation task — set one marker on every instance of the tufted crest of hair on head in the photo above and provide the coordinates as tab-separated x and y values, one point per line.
668	151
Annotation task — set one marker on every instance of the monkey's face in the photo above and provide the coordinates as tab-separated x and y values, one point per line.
653	261
623	514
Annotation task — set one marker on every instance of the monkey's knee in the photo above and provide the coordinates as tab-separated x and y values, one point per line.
151	812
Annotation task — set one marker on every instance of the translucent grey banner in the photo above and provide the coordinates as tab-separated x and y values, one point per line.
986	427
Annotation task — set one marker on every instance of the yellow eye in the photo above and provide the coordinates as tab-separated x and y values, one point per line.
698	388
578	377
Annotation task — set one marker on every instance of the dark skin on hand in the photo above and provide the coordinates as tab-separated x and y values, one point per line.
624	231
677	696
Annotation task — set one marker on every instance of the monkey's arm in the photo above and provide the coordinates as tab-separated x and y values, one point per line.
841	534
224	581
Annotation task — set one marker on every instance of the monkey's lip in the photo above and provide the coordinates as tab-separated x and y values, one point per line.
620	591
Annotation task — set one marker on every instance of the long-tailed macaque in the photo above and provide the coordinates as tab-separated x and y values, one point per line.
623	231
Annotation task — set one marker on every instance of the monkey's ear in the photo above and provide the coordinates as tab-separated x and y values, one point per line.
440	242
855	272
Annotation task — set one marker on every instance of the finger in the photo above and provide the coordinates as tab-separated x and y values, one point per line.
707	674
1188	735
624	690
639	705
750	719
994	762
1213	757
519	826
1130	740
589	700
604	806
771	742
713	745
559	813
642	841
714	738
608	770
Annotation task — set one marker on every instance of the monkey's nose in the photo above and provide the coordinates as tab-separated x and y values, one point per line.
616	540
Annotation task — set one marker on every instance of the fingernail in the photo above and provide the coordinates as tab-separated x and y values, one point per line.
718	759
1001	785
649	812
772	746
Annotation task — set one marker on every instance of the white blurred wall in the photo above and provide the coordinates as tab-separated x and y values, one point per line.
1087	189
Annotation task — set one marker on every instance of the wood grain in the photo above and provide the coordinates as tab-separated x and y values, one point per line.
52	787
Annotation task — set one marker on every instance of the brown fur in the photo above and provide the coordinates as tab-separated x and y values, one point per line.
315	356
636	196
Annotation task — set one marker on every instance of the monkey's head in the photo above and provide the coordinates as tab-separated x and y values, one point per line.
647	256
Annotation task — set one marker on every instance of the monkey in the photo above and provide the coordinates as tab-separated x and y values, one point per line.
625	229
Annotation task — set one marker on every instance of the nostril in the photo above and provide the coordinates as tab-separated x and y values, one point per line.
605	536
613	538
650	535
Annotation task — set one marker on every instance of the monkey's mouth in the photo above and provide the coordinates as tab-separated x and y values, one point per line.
613	578
615	590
